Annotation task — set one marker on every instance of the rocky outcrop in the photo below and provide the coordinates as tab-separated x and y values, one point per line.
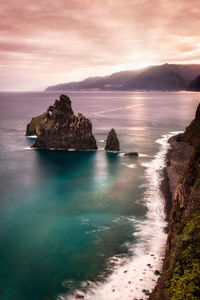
33	125
131	154
195	84
181	269
61	129
112	142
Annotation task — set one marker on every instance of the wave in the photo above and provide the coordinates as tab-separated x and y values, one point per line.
113	109
130	278
131	166
31	136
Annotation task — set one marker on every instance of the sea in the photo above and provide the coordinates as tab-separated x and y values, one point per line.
86	225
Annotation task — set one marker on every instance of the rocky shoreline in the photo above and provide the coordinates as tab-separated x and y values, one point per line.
180	275
177	158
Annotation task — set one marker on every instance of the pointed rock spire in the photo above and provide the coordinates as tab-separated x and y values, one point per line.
112	142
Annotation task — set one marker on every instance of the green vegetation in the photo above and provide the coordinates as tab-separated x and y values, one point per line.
183	275
196	185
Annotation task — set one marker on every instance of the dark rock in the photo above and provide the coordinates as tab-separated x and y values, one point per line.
131	154
79	296
112	142
33	125
61	129
157	272
195	84
146	292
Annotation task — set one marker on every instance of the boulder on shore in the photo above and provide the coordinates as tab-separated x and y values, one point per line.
112	142
61	129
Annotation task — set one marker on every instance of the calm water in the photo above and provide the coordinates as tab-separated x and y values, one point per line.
68	219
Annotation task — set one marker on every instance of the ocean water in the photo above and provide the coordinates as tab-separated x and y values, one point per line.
86	223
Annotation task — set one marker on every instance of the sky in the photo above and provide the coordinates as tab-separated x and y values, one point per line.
46	42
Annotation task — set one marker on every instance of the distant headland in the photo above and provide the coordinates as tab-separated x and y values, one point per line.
166	77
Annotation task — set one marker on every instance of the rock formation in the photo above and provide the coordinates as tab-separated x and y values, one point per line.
112	142
33	125
131	154
195	84
181	269
61	129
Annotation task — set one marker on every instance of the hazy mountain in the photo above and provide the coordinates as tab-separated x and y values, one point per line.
195	84
162	77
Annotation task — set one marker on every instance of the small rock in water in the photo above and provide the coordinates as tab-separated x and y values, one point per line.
113	290
131	154
157	272
112	142
79	296
146	292
125	271
129	282
149	265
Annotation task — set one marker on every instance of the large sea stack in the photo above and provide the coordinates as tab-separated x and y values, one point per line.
112	142
61	129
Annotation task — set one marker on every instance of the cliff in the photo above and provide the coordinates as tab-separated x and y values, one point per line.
61	129
180	276
195	84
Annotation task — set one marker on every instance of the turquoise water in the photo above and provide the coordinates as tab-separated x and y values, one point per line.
64	215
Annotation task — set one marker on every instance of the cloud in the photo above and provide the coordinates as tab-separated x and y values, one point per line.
47	42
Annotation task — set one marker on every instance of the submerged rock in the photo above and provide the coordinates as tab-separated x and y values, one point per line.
131	154
33	125
112	142
61	129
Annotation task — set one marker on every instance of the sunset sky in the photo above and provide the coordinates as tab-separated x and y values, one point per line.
45	42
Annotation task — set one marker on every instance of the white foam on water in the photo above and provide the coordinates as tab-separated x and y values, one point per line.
131	166
121	154
144	155
113	109
102	141
31	136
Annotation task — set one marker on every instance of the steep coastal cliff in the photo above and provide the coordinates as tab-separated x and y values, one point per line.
59	128
180	276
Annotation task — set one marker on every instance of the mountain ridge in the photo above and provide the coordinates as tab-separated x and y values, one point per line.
165	77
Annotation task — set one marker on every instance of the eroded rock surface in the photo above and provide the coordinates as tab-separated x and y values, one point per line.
33	125
112	142
61	129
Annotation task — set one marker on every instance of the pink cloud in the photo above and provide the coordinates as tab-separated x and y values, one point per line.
57	41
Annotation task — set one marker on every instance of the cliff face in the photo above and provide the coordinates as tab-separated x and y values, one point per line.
61	129
180	276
